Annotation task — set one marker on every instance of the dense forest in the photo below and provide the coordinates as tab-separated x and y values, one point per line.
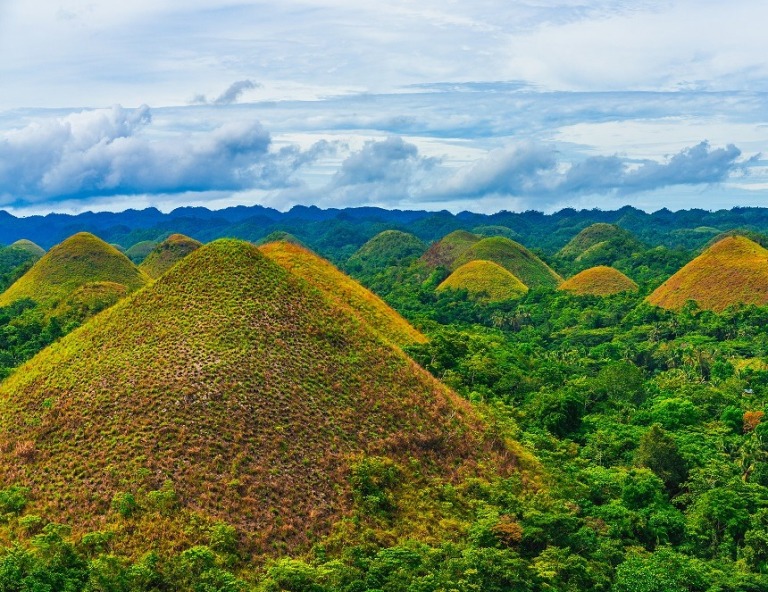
635	431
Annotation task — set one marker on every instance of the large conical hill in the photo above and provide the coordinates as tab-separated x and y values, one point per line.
734	270
444	252
244	388
486	281
344	292
598	281
386	249
515	258
167	254
80	259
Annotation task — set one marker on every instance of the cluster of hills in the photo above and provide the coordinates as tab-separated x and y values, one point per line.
262	387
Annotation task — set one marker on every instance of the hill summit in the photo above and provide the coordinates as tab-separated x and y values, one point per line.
386	249
80	259
598	281
444	252
486	281
344	292
245	390
734	270
515	258
167	254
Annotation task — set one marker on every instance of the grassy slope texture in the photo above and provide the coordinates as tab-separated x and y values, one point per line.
598	281
444	252
515	258
167	254
242	384
388	248
344	292
591	236
486	281
16	259
79	260
733	270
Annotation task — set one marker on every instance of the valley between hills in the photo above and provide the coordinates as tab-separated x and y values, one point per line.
362	400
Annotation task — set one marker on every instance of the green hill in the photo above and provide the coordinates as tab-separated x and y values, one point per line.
81	259
600	244
167	254
598	281
486	281
138	252
16	259
444	252
495	230
734	270
386	249
231	391
344	292
513	257
29	247
279	235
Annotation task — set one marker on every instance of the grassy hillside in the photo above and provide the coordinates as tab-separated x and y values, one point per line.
28	246
344	292
591	236
167	254
81	259
733	270
598	281
139	251
444	252
515	258
386	249
16	259
232	391
486	281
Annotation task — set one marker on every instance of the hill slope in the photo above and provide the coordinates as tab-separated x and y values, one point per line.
81	259
344	292
444	252
733	270
591	236
167	254
598	281
485	280
515	258
244	386
16	259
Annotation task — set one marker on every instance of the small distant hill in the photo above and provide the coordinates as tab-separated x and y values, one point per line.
600	244
234	392
138	252
89	299
344	292
167	254
485	280
494	230
386	249
513	257
279	235
447	250
733	270
598	281
81	259
16	259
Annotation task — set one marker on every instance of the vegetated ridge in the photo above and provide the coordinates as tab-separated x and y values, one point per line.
733	270
248	390
444	252
344	292
81	259
598	281
167	254
515	258
386	249
485	280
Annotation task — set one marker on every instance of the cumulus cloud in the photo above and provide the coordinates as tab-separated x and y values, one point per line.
107	152
535	170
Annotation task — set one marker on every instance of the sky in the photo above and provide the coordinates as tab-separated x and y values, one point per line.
477	105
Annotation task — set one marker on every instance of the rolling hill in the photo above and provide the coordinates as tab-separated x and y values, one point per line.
16	259
598	281
344	292
513	257
386	249
733	270
81	259
444	252
229	390
167	254
485	280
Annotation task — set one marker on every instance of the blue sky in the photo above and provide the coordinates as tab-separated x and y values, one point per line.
481	105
